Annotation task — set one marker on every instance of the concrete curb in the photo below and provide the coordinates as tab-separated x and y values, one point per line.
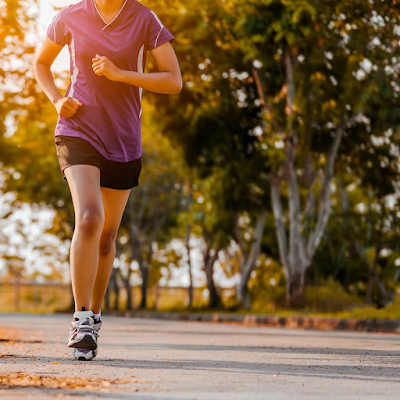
293	322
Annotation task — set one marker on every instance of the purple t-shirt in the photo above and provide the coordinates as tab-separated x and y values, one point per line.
110	117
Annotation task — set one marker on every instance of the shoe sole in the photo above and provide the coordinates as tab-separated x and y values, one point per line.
84	359
86	343
87	359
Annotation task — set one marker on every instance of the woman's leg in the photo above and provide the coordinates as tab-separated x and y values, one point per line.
84	183
114	202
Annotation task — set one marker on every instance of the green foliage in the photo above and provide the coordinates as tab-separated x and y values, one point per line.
31	167
390	312
15	55
329	297
267	286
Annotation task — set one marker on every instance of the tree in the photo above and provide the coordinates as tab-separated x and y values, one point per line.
212	224
315	52
215	128
15	56
249	258
189	262
153	206
185	220
320	72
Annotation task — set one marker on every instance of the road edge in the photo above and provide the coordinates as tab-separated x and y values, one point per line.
291	322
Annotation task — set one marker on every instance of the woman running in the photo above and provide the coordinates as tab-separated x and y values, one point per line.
98	133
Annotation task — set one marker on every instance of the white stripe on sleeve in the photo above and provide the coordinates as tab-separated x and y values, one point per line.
140	69
161	28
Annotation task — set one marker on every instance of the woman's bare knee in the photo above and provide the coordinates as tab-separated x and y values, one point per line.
90	221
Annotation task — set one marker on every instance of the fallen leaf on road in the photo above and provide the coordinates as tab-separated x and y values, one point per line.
18	379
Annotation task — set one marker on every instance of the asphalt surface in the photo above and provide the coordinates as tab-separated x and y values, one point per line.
184	360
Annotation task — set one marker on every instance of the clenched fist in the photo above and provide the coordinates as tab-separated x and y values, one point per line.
67	106
102	66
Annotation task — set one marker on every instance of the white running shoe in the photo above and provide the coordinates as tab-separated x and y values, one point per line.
83	334
97	326
85	354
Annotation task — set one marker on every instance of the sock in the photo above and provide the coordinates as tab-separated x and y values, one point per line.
97	316
83	314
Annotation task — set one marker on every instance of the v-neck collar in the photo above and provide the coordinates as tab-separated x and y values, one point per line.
101	22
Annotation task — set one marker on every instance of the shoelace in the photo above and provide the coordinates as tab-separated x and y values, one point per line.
84	324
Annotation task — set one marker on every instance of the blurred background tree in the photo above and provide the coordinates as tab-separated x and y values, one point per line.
275	170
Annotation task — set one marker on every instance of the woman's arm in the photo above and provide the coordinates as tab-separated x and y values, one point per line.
167	80
65	106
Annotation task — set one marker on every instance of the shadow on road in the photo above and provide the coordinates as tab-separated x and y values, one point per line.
390	337
337	371
393	354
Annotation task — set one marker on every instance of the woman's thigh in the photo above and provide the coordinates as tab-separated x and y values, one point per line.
84	184
114	202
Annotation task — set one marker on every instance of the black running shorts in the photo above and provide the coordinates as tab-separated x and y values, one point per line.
113	175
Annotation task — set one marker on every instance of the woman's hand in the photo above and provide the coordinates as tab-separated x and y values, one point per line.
67	106
102	66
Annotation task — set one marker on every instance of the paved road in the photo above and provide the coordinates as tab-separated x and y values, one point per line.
177	360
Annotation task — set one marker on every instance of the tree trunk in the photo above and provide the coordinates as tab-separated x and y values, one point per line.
371	275
243	294
16	295
209	261
387	297
214	299
116	290
128	288
296	250
249	259
107	295
145	277
190	289
295	290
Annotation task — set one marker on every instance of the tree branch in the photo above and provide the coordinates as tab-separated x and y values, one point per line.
263	100
256	245
291	91
238	236
325	198
279	223
309	178
296	242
